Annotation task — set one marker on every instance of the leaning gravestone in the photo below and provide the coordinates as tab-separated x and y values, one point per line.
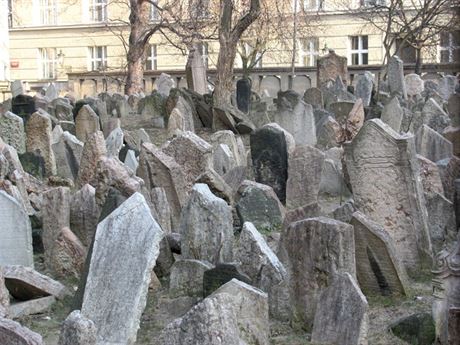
125	249
392	114
396	80
386	186
15	233
206	227
342	318
432	145
364	87
378	268
269	153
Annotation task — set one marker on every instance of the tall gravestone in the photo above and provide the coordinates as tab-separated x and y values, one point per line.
331	66
384	176
396	80
195	71
269	152
125	249
15	233
12	131
243	94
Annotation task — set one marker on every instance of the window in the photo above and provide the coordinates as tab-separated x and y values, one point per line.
47	63
151	58
199	9
154	13
405	51
308	51
48	12
203	49
373	3
307	5
98	10
97	58
450	46
359	52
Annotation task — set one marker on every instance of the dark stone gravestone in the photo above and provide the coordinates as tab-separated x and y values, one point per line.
243	94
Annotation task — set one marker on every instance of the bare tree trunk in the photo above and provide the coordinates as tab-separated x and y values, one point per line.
294	44
228	40
418	61
138	20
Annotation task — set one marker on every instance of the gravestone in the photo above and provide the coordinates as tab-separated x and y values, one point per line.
432	145
86	123
163	84
364	86
313	250
414	84
186	278
392	114
15	233
342	318
257	203
329	67
12	131
84	214
215	277
158	169
23	106
304	176
51	93
125	250
114	142
12	333
269	153
93	150
39	140
314	97
17	88
195	72
68	152
379	270
396	80
384	176
206	227
77	330
296	117
243	94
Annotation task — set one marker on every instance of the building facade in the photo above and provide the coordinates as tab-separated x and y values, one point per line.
50	40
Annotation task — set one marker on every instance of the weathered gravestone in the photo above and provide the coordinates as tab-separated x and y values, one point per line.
12	131
17	88
304	176
158	169
414	84
186	278
432	145
269	153
342	316
206	227
364	87
164	84
378	268
392	114
86	123
93	150
312	251
15	233
396	80
68	151
23	106
384	176
314	97
330	66
125	250
195	72
39	140
296	117
77	330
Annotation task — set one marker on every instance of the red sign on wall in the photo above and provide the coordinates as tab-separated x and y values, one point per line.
14	64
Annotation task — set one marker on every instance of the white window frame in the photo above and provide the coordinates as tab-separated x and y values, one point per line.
154	14
311	53
360	51
48	12
96	7
450	48
46	63
152	57
94	59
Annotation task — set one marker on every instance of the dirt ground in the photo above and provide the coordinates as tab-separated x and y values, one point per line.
161	310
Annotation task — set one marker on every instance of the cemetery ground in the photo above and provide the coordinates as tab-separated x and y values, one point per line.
160	310
324	217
